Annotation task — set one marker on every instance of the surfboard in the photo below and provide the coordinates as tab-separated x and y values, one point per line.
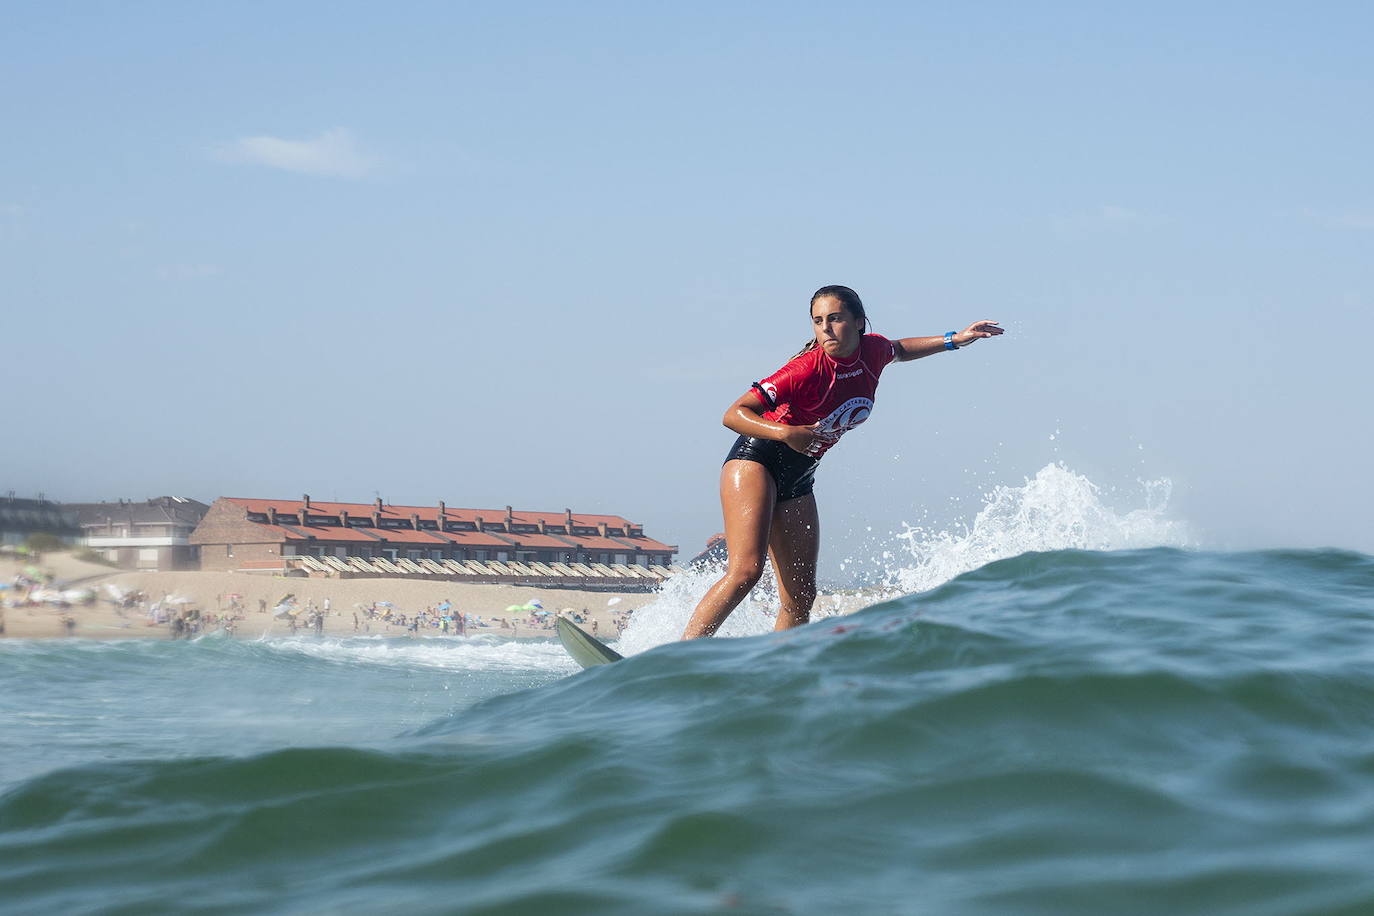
584	648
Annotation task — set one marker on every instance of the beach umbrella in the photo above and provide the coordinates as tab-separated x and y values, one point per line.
612	602
541	613
536	603
514	608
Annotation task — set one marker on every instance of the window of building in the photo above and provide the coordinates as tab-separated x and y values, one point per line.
228	550
413	554
436	554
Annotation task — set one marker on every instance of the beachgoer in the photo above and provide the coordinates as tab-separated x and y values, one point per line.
786	422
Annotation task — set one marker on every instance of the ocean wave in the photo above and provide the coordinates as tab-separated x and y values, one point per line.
1069	731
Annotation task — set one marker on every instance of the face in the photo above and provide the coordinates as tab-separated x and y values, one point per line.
837	330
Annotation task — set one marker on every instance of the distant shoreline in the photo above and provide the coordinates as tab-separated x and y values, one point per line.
210	593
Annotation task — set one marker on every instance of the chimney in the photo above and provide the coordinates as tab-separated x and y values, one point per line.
601	526
343	518
479	522
510	517
543	526
415	520
378	504
271	515
442	509
567	519
306	497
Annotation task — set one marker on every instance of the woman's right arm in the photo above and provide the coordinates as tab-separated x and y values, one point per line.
743	417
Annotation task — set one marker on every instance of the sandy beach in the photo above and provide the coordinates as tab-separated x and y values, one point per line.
211	592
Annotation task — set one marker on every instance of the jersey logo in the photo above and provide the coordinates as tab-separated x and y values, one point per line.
844	418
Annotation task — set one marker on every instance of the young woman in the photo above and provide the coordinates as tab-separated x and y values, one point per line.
786	423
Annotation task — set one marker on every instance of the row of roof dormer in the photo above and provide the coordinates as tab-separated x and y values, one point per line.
440	523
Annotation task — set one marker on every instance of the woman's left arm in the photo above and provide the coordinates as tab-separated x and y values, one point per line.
915	347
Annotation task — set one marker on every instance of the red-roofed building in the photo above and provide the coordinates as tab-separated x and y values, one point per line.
257	534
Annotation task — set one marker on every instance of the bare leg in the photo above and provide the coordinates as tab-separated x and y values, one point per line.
747	497
794	545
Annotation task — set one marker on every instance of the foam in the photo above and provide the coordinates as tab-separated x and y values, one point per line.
1057	509
479	653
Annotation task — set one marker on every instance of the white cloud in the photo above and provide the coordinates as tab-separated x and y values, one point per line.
333	153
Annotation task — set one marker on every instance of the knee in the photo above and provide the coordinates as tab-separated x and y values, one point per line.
744	573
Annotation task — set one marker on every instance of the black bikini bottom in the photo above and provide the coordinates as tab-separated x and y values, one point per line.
792	471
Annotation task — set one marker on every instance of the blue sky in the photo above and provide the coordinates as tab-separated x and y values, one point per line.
527	253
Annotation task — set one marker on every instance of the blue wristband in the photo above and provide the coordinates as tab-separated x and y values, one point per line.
949	341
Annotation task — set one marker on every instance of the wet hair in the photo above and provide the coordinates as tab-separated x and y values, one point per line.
849	299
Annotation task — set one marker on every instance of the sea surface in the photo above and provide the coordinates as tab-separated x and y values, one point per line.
1101	727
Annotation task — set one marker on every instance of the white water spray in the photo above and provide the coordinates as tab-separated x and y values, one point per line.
1057	509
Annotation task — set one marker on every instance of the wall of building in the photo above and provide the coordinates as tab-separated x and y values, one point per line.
234	556
152	559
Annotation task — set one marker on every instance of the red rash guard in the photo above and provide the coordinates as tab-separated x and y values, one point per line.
815	388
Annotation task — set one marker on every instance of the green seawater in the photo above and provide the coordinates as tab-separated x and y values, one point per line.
1069	732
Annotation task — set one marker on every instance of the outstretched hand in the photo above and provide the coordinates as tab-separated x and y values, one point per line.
977	331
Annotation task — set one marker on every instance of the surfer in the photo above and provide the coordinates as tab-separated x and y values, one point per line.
786	422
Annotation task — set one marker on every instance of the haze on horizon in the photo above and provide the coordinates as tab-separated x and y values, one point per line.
528	253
